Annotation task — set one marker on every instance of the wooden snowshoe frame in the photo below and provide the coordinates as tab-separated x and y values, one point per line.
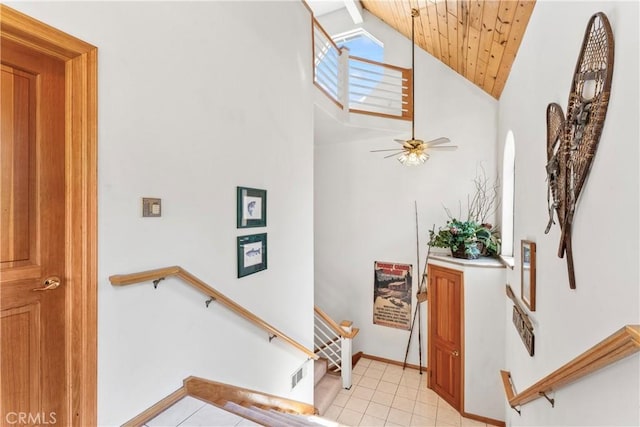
572	142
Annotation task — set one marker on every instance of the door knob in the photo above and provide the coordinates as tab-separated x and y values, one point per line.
455	353
49	284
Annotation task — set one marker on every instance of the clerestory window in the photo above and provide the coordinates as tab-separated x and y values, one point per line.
508	190
361	43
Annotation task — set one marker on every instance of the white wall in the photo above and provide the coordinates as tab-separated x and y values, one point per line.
483	333
195	99
364	204
568	322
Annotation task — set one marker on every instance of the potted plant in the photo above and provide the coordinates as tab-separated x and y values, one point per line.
474	236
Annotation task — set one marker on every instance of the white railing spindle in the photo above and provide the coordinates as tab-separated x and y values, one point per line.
357	84
334	342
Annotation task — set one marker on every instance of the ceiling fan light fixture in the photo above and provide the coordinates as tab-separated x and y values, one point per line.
413	158
414	151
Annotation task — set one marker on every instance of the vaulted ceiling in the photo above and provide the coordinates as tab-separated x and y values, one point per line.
477	39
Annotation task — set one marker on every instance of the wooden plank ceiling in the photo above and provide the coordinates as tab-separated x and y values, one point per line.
477	39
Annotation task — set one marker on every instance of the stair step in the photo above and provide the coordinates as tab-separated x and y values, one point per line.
288	419
192	411
326	391
256	415
296	418
319	369
269	417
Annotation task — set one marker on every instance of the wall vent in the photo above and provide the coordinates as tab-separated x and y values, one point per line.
297	376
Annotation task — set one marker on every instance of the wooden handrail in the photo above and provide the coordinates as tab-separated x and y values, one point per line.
619	345
333	325
162	273
382	64
506	382
317	24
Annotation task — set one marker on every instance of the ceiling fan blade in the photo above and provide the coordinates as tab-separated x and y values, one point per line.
391	155
390	149
400	141
438	141
445	148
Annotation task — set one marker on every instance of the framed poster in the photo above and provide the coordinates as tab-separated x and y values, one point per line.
392	295
251	207
528	274
252	254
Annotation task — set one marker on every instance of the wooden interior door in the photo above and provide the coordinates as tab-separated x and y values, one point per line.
48	339
33	334
445	334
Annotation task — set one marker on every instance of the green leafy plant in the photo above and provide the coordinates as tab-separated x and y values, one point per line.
468	236
474	236
490	239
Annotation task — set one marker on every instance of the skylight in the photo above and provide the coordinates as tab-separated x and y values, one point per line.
361	43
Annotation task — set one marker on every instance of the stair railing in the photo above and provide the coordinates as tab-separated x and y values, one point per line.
156	276
334	343
619	345
360	85
326	64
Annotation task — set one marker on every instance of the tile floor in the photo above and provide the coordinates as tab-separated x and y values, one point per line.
383	394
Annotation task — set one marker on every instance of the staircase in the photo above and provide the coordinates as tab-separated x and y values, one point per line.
327	385
190	411
201	402
331	342
332	368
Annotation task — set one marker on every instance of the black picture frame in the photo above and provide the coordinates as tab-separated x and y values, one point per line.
252	254
251	210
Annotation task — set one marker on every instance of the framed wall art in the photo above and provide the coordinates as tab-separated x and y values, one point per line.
251	207
252	254
528	274
392	294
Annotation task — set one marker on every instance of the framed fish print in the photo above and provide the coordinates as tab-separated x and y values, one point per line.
252	207
252	254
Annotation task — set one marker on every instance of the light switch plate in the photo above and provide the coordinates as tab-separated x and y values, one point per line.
151	207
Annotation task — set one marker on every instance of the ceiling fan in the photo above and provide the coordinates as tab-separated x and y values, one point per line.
416	151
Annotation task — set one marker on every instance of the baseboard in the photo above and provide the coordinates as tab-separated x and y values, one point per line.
355	358
156	409
482	419
394	362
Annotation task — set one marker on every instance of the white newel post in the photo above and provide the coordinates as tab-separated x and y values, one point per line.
346	355
343	82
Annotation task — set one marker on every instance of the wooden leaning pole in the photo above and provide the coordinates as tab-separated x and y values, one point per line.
421	297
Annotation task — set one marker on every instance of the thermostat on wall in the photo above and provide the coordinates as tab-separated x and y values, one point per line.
151	207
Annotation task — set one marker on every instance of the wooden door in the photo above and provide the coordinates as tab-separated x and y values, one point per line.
48	212
445	334
33	340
